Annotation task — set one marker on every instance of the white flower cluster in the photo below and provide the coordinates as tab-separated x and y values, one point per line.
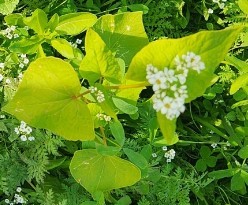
169	155
98	94
214	145
23	60
169	86
77	42
101	116
18	199
10	32
24	131
190	61
221	3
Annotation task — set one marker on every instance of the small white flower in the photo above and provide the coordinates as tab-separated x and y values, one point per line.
20	76
17	130
19	189
107	118
164	148
210	11
228	144
216	1
7	81
1	77
23	138
23	55
28	130
78	41
31	138
26	61
1	65
2	116
12	28
100	96
16	35
154	155
214	145
168	160
222	5
9	36
92	89
6	201
21	65
8	30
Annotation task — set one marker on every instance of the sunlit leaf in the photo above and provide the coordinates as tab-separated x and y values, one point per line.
123	33
75	23
47	98
96	172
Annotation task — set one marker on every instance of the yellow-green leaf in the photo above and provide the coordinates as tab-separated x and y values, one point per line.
46	98
96	172
123	33
75	23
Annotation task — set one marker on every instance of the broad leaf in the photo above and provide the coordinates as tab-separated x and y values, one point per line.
75	23
8	6
46	98
96	172
124	33
99	60
37	22
161	53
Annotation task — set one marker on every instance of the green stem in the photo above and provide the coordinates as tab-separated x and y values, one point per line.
211	127
118	87
103	135
115	87
192	142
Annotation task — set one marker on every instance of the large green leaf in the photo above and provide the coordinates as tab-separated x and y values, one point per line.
46	98
37	22
212	46
8	6
124	33
96	172
75	23
99	60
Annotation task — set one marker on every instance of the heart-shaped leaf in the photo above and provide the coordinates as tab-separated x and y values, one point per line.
97	172
47	98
